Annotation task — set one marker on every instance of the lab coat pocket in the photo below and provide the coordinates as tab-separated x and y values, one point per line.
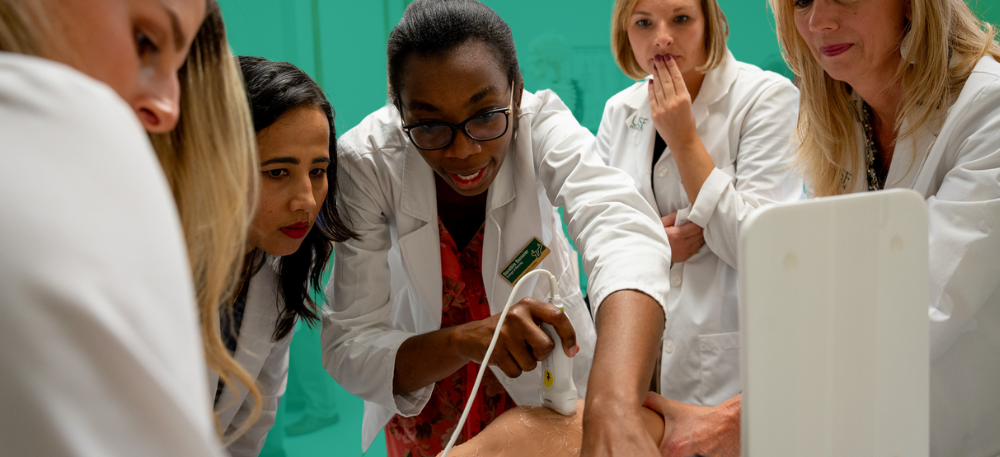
720	371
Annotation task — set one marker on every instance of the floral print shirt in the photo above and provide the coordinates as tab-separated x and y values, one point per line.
464	300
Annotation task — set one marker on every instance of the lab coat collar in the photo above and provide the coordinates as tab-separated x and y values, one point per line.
502	208
639	98
640	125
419	195
254	343
273	261
716	85
910	153
420	248
502	191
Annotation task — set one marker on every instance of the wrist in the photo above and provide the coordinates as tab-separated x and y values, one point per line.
603	408
613	400
601	411
686	144
459	338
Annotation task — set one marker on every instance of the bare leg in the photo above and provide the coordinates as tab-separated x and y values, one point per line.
528	431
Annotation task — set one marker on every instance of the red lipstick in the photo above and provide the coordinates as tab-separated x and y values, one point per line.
297	230
835	49
469	181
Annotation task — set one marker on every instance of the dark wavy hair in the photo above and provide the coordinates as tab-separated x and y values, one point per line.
432	28
274	88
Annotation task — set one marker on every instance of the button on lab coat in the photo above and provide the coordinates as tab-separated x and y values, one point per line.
102	349
745	117
386	285
956	166
263	358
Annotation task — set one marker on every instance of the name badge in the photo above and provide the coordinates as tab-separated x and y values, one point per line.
530	256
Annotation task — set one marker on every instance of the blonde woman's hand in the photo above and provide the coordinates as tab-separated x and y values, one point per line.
670	106
685	240
697	430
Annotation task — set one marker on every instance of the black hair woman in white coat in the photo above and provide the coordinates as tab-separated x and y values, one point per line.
289	242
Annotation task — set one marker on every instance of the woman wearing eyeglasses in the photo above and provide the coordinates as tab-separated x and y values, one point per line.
452	190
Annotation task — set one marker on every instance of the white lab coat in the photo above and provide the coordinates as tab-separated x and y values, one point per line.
386	285
956	166
102	349
263	358
745	117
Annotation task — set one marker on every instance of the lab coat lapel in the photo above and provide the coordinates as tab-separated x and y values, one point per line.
910	155
420	248
860	178
511	221
640	127
256	331
715	87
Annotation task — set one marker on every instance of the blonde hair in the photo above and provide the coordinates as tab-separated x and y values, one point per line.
209	160
716	33
827	134
20	23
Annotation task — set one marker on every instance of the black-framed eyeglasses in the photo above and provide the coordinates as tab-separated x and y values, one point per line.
486	126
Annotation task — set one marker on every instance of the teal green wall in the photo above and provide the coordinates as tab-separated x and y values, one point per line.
988	10
561	44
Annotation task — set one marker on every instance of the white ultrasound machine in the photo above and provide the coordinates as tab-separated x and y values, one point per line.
833	306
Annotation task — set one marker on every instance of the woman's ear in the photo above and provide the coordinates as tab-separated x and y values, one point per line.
518	92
